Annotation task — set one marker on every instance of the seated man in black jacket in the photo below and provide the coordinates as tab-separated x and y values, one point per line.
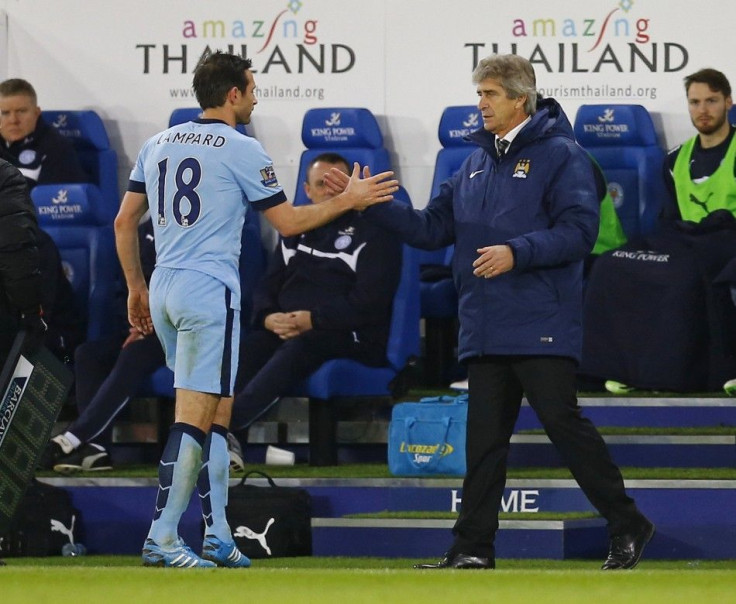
41	154
327	294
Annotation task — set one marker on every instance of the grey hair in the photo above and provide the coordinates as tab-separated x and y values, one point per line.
514	73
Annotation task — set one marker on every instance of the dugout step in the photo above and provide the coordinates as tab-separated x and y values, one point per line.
427	538
650	411
692	516
676	451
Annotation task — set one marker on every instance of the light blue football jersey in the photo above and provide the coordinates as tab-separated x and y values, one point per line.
200	178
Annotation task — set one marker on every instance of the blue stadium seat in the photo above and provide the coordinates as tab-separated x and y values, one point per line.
76	219
87	131
732	115
438	294
623	140
354	133
339	378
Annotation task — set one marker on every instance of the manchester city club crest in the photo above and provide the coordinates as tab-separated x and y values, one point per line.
522	168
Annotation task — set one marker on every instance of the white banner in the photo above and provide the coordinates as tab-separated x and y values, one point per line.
405	60
3	44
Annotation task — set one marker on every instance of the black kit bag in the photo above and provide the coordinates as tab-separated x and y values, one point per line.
44	523
270	521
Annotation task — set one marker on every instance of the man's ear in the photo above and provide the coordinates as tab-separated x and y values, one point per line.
232	94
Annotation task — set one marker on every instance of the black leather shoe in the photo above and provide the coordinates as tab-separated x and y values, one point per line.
626	550
461	561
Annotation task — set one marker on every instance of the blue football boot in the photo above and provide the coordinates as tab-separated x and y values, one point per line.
223	554
181	556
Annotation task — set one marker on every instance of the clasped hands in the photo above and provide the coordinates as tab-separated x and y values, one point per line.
287	325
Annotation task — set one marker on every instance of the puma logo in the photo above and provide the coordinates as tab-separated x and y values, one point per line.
244	531
58	526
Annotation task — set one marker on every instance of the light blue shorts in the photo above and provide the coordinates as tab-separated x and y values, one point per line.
198	329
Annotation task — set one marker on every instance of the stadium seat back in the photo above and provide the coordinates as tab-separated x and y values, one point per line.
340	378
77	222
352	132
624	142
87	131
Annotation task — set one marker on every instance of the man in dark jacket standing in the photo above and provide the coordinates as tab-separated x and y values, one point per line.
522	212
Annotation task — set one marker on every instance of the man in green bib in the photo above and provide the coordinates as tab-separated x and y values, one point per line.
698	218
700	172
702	168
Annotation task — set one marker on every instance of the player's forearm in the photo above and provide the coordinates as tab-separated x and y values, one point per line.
308	217
126	242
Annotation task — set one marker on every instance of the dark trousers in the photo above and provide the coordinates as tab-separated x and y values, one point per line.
107	377
271	367
496	386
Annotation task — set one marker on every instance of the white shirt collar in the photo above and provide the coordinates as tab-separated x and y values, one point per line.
511	134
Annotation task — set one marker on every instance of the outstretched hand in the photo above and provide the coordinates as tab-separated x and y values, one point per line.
364	191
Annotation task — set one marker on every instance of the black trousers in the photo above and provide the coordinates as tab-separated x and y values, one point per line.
270	367
496	386
107	377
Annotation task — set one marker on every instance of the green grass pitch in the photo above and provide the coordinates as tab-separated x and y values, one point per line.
113	579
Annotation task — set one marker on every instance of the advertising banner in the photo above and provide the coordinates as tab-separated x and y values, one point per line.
405	61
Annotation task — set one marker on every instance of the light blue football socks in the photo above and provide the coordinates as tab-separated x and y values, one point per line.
212	484
177	475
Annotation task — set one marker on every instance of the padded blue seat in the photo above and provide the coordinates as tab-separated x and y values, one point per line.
624	142
87	131
352	132
76	219
341	378
355	134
